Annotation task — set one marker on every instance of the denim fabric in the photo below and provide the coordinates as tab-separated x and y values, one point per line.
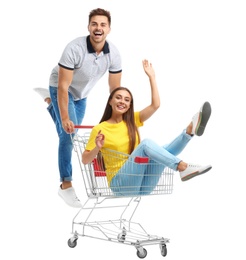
140	179
76	110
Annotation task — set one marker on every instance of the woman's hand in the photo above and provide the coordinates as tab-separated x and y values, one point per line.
148	68
88	156
99	140
149	110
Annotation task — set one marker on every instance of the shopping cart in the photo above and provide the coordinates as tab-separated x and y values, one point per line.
119	202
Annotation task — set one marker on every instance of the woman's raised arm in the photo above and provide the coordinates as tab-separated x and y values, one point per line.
148	111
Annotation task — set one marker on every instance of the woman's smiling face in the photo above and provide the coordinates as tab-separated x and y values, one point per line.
121	101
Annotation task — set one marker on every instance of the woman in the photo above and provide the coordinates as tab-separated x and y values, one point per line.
117	133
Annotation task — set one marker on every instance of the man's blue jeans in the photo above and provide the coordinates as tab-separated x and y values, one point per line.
141	179
76	110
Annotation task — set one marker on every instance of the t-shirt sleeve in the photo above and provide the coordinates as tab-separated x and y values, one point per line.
91	141
71	55
137	119
116	62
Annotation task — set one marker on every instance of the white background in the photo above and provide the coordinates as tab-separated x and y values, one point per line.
198	51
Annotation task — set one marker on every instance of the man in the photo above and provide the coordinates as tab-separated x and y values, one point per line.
83	62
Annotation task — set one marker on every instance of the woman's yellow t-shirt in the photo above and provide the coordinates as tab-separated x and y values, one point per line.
116	139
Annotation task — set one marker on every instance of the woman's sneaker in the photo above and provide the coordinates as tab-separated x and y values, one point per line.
193	170
200	119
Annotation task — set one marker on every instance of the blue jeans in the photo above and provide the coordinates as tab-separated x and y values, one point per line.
76	110
141	179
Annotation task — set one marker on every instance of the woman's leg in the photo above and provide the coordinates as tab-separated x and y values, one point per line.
128	180
144	177
156	168
133	177
151	177
178	144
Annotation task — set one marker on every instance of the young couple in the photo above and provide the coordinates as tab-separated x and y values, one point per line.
83	62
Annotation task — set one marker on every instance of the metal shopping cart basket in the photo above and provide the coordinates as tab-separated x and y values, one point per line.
119	202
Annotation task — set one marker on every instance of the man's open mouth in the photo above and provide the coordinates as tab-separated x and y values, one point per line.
97	33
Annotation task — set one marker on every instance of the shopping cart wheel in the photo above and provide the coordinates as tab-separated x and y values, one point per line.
141	252
163	249
72	242
122	236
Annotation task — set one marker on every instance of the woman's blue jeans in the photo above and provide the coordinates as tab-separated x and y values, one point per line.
141	179
76	110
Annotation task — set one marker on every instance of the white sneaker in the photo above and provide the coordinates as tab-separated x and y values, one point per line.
70	197
193	170
200	119
43	92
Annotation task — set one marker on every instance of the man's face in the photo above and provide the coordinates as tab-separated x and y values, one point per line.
99	28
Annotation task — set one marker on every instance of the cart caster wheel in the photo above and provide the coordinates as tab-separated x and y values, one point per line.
163	250
72	243
121	238
142	253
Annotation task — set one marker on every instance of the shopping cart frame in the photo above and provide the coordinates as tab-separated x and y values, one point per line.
100	198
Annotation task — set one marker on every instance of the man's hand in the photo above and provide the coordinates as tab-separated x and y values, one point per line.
68	126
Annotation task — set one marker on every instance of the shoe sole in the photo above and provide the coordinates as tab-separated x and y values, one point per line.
203	117
194	174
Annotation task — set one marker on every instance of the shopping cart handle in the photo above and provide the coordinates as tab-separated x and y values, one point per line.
139	159
83	126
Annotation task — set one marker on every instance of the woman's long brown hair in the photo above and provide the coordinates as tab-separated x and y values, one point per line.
128	117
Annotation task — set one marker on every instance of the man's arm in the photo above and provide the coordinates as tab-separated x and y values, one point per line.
64	80
114	80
